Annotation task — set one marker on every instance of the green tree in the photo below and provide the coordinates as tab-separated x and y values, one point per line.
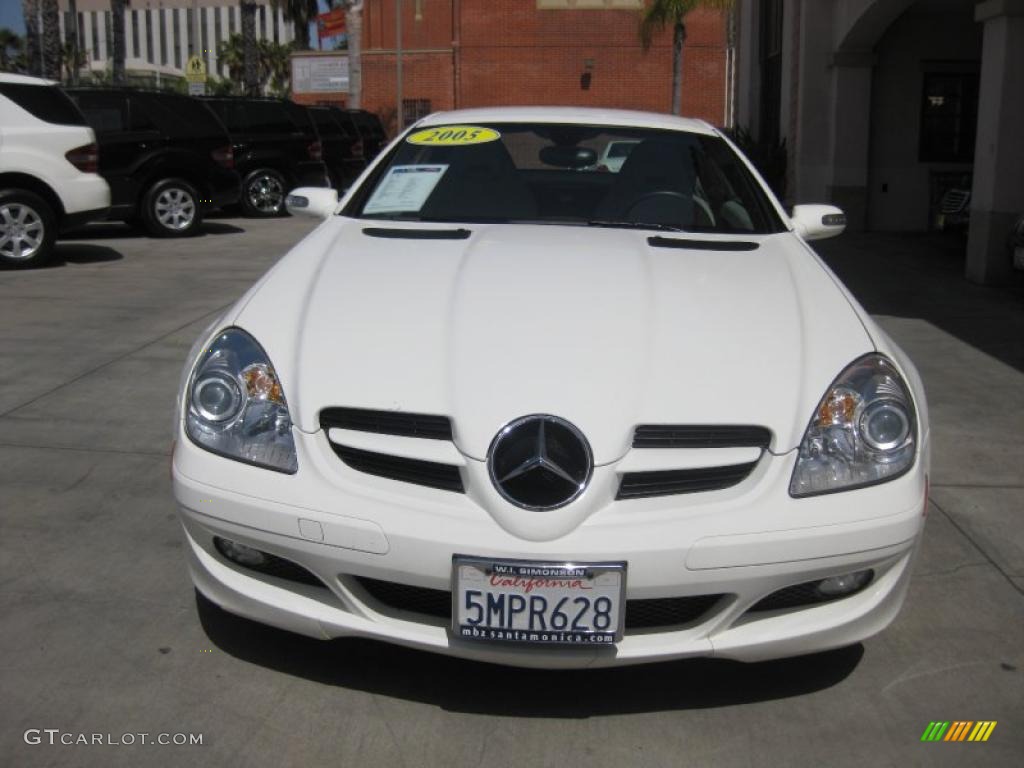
72	60
11	46
273	65
275	61
663	13
30	10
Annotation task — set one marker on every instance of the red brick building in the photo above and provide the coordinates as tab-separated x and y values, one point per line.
469	53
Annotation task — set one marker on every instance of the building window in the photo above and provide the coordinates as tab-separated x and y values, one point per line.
262	33
108	39
274	24
177	38
190	32
204	37
231	20
771	70
95	37
414	109
949	117
149	36
163	36
135	34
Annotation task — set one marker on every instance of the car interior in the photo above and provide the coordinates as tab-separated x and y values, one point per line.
550	174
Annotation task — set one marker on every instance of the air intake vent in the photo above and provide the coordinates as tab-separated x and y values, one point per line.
432	474
700	436
637	485
387	422
640	614
667	611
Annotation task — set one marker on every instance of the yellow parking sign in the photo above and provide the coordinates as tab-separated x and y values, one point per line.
195	70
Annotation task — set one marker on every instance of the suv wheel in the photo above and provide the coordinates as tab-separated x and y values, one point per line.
28	229
263	193
170	208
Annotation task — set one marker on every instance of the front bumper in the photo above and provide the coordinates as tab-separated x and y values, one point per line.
743	543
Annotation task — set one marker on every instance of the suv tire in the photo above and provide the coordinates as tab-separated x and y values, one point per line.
28	229
263	193
170	208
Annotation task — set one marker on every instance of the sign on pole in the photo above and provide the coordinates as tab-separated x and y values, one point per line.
316	73
195	73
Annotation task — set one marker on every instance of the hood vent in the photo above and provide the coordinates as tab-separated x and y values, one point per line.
398	423
417	234
702	245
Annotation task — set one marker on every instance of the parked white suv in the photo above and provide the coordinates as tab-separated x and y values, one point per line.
48	163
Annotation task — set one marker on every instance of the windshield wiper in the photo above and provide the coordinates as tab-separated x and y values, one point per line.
633	225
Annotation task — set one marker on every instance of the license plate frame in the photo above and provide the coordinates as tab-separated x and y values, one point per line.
570	577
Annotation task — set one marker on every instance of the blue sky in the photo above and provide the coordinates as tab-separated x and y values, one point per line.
10	17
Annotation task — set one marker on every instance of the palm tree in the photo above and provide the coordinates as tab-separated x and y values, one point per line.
300	13
10	46
272	59
51	39
73	46
117	41
658	15
30	9
72	60
250	65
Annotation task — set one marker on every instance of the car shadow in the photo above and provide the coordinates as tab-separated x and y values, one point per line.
106	230
472	687
81	253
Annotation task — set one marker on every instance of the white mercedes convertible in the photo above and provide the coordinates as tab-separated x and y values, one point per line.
510	404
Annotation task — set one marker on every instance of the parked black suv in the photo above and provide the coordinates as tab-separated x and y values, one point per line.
342	145
166	157
371	130
276	148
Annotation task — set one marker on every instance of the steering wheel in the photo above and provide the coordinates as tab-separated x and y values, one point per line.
667	193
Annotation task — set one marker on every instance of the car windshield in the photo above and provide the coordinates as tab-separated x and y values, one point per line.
550	174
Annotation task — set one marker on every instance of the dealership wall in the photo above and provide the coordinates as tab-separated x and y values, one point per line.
916	43
472	53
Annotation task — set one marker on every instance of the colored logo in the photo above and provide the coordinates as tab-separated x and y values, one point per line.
959	730
454	135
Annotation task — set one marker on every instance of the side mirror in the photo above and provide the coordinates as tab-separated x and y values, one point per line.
817	222
318	202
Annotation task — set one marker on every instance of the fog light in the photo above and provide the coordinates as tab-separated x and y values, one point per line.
848	583
239	553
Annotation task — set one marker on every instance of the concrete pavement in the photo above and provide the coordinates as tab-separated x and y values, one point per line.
102	632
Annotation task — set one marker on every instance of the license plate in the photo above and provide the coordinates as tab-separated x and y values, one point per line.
536	602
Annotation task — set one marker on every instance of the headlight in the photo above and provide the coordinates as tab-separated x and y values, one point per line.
863	432
235	405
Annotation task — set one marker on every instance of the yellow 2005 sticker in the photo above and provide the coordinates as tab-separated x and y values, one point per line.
453	135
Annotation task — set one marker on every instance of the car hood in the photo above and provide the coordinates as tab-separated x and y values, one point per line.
594	325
